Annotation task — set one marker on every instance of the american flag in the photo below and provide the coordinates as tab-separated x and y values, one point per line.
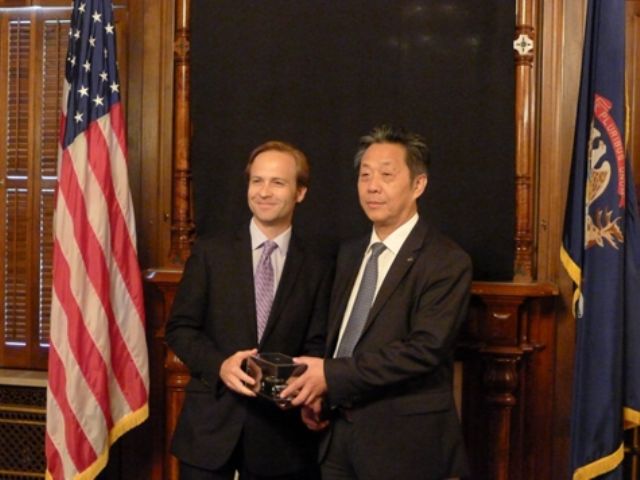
98	369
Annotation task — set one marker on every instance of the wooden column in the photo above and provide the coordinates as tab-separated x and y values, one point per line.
507	353
169	376
500	381
177	379
525	128
182	227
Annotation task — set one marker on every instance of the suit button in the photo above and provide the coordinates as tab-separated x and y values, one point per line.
346	413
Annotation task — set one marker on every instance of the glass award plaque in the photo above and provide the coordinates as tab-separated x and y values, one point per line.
272	373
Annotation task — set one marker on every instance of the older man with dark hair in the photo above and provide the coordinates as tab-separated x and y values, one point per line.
399	298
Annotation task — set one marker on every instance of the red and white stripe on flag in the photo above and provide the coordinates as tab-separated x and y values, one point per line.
98	368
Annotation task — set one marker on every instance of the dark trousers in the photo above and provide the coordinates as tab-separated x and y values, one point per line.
337	464
236	463
342	461
189	472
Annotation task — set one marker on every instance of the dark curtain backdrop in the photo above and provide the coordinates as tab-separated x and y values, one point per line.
322	73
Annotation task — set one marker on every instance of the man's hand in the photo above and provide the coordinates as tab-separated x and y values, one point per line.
234	377
308	387
311	416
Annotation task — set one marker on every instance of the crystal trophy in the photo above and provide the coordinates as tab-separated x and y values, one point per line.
272	373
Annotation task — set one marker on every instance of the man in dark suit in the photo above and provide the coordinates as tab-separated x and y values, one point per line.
399	297
219	319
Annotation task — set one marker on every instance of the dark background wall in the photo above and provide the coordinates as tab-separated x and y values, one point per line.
322	73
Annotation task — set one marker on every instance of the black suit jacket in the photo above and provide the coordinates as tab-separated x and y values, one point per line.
212	317
399	382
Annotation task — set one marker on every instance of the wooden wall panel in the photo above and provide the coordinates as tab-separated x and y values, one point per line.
140	453
149	111
553	91
633	86
633	149
561	57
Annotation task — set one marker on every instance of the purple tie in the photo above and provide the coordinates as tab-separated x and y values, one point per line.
264	281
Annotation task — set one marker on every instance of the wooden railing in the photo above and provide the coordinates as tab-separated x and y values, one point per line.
507	351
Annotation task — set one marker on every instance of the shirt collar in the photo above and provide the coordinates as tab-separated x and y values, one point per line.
258	238
395	240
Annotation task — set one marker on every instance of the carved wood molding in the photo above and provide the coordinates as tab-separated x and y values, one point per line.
503	316
160	290
525	51
509	338
182	227
507	350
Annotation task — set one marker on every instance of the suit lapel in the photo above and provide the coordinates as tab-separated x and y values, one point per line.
343	284
403	262
292	266
243	259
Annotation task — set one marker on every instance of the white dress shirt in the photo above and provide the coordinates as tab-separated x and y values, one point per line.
393	243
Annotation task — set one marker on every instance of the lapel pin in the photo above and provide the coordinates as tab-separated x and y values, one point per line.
410	259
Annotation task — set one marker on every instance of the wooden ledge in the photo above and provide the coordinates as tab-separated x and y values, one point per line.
162	275
514	289
23	378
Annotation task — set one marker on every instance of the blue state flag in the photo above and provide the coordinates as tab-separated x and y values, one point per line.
601	252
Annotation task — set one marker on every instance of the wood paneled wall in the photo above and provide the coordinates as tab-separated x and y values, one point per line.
149	109
547	77
563	30
633	84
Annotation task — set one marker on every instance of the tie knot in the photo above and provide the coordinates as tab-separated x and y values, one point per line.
376	249
268	247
